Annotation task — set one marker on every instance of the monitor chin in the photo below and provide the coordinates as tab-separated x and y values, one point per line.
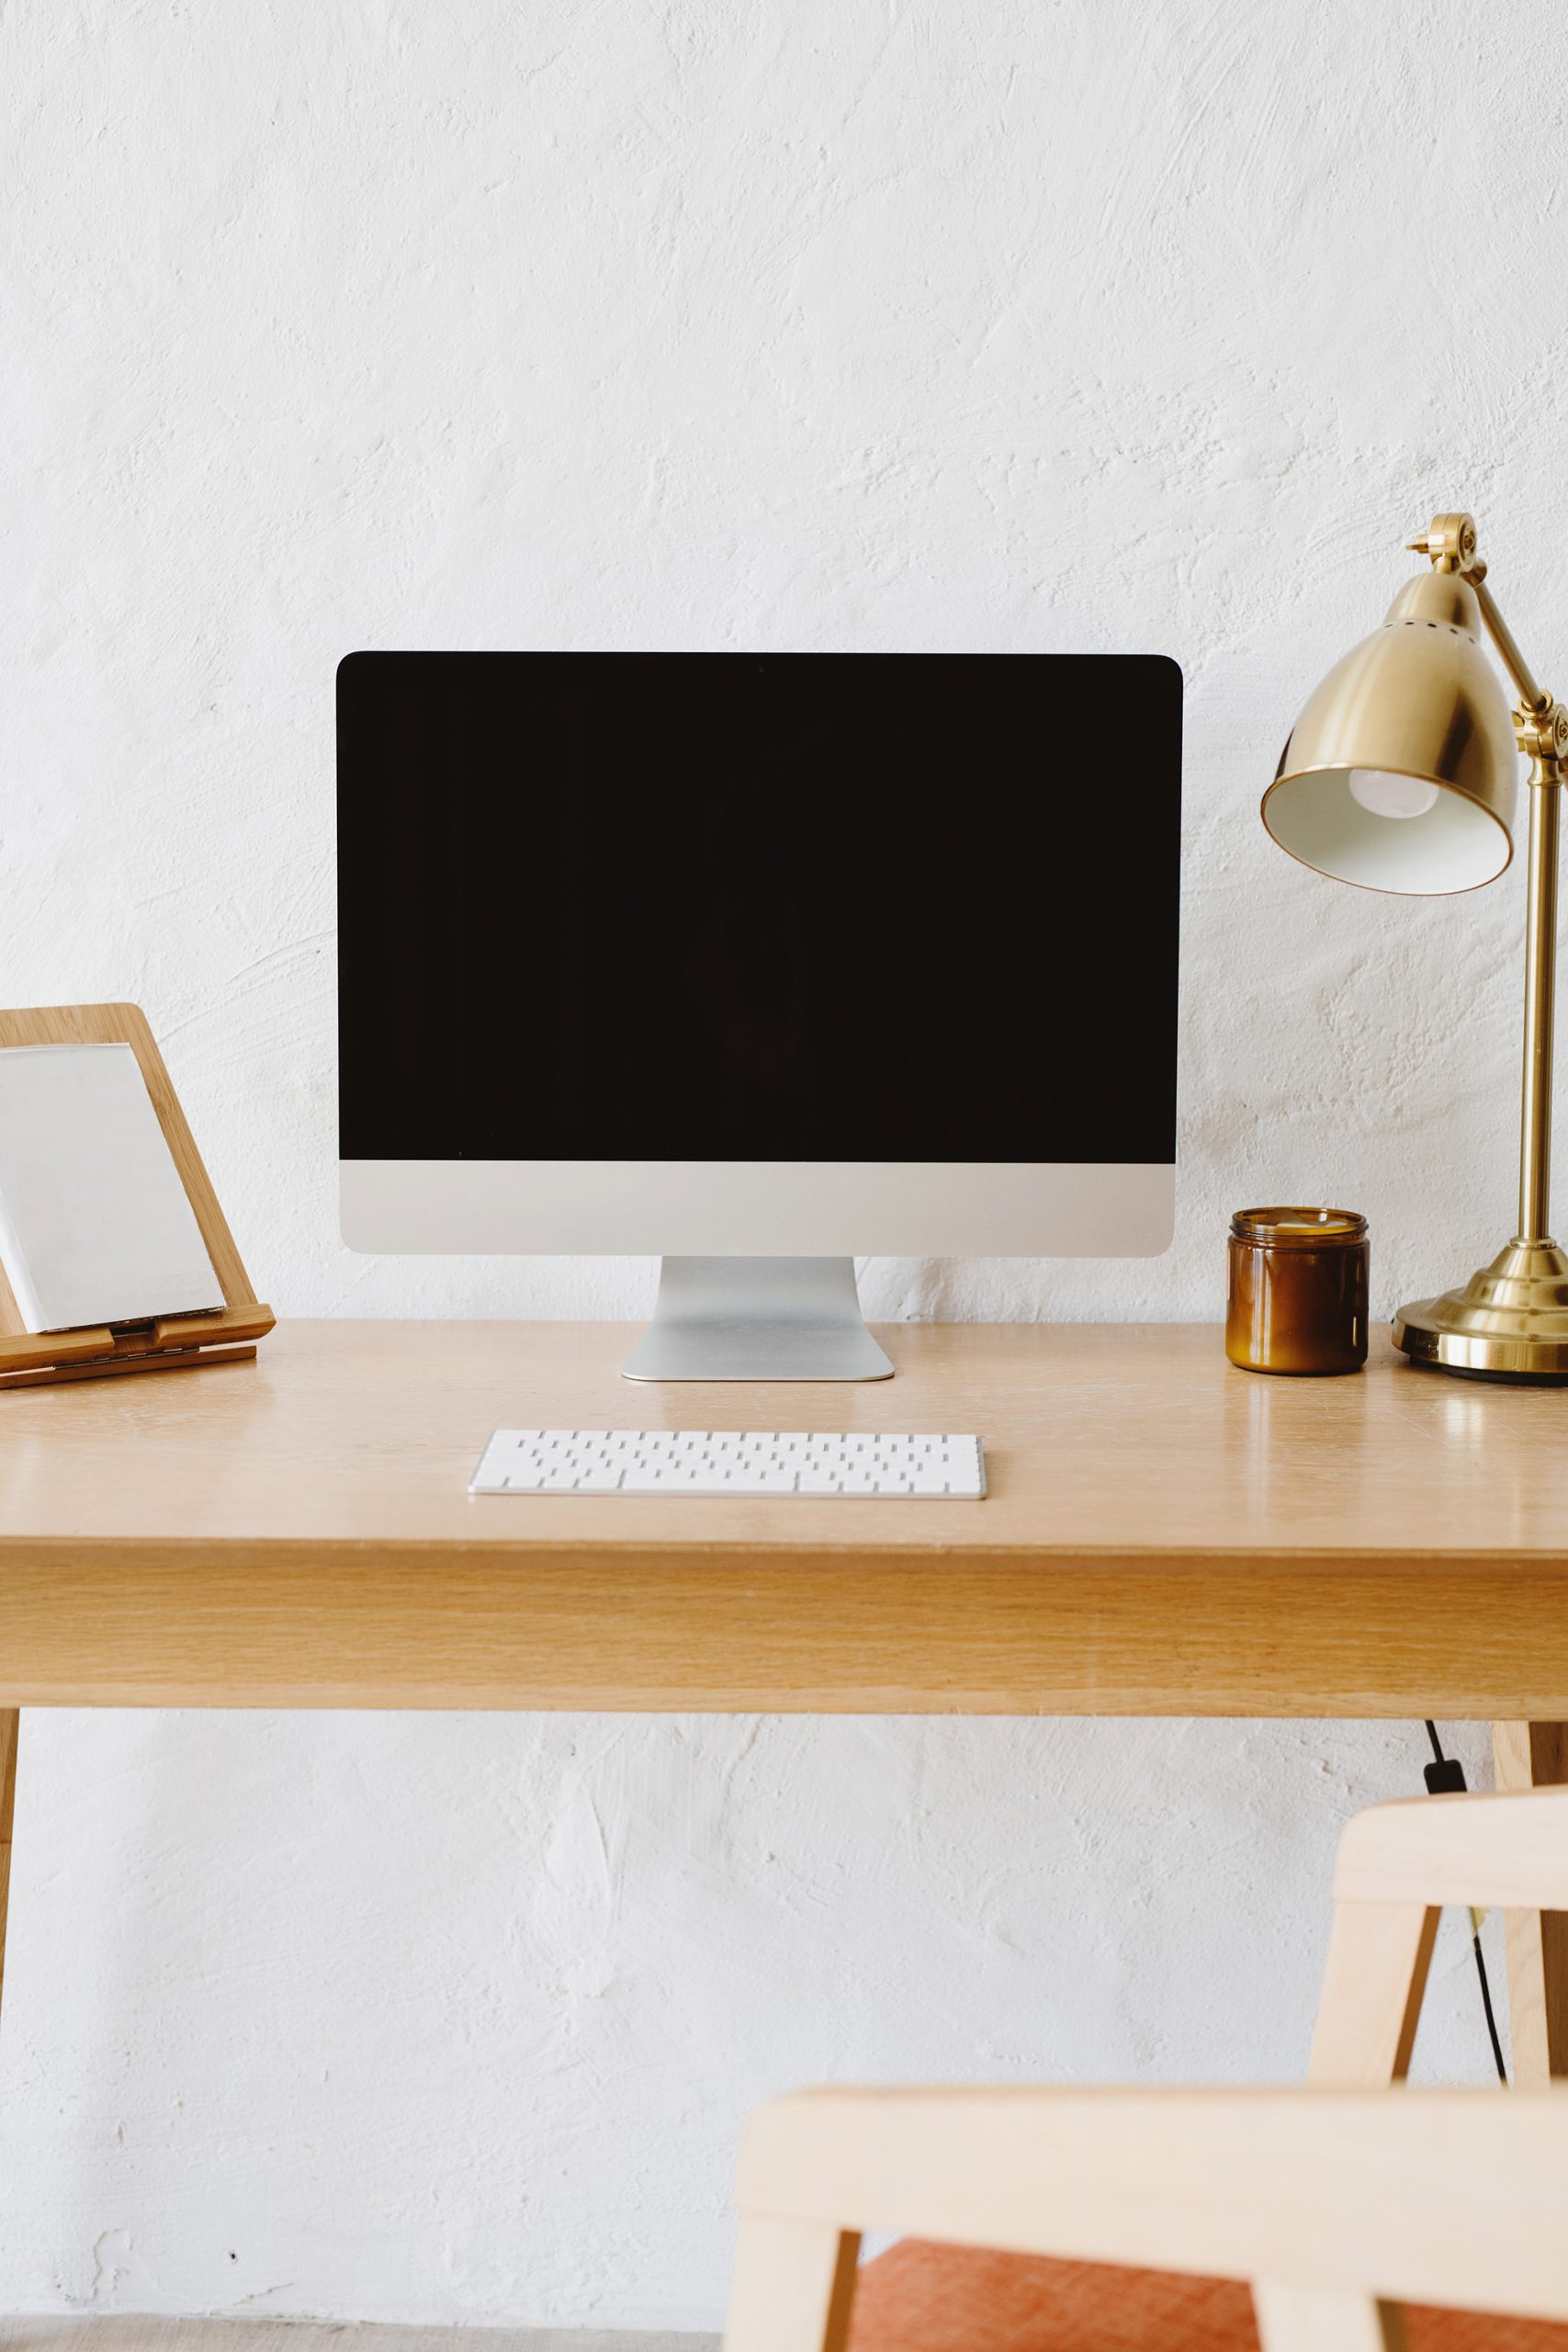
758	1209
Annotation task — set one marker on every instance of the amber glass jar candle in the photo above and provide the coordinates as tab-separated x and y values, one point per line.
1298	1291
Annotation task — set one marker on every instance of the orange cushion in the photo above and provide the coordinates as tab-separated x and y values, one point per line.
923	2297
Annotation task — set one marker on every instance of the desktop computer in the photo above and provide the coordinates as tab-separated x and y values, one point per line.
758	963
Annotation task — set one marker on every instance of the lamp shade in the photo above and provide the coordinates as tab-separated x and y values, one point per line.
1400	772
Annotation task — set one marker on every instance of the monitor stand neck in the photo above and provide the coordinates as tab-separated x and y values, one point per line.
757	1318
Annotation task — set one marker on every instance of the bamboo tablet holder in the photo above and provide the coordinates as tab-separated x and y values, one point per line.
168	1343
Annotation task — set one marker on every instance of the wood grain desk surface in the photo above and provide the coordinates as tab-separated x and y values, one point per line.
1164	1534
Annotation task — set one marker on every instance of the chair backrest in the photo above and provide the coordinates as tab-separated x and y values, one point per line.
1398	1865
1332	2203
1338	2206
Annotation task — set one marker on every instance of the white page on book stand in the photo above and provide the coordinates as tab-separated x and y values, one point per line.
95	1226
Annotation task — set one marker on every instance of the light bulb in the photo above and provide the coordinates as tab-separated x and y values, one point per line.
1383	794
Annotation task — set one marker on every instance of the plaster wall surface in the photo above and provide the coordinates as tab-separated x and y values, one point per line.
1112	324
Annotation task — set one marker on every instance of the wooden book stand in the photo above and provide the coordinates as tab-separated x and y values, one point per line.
170	1344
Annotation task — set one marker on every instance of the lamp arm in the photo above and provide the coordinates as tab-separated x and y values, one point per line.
1534	698
1451	544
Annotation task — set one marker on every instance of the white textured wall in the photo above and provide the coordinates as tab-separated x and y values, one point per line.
1095	324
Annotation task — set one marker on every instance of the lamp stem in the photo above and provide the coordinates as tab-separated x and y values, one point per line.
1541	985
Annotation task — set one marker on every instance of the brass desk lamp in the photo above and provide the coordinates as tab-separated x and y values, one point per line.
1400	775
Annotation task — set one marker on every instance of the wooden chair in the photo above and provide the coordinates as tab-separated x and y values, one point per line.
1115	2221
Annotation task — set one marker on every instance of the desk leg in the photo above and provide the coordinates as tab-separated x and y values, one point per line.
9	1720
1535	1756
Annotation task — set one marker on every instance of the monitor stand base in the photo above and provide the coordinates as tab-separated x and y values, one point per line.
757	1318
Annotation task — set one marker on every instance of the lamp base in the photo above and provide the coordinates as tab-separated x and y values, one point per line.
1510	1322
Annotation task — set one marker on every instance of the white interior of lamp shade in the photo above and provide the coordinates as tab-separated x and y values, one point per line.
1455	845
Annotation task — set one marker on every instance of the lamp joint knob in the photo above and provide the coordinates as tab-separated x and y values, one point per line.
1450	542
1543	734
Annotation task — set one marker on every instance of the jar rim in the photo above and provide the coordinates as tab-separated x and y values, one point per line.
1299	1229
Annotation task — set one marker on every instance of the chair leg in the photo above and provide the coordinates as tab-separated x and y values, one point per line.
1535	1756
10	1719
1304	2319
793	2287
1379	1955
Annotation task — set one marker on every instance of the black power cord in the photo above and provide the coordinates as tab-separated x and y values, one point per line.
1445	1778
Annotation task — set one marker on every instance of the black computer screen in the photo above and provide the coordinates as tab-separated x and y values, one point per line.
727	906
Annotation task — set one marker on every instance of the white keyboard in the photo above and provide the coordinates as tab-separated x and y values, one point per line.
729	1461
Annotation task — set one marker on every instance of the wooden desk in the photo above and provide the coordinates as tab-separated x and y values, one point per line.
1164	1535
